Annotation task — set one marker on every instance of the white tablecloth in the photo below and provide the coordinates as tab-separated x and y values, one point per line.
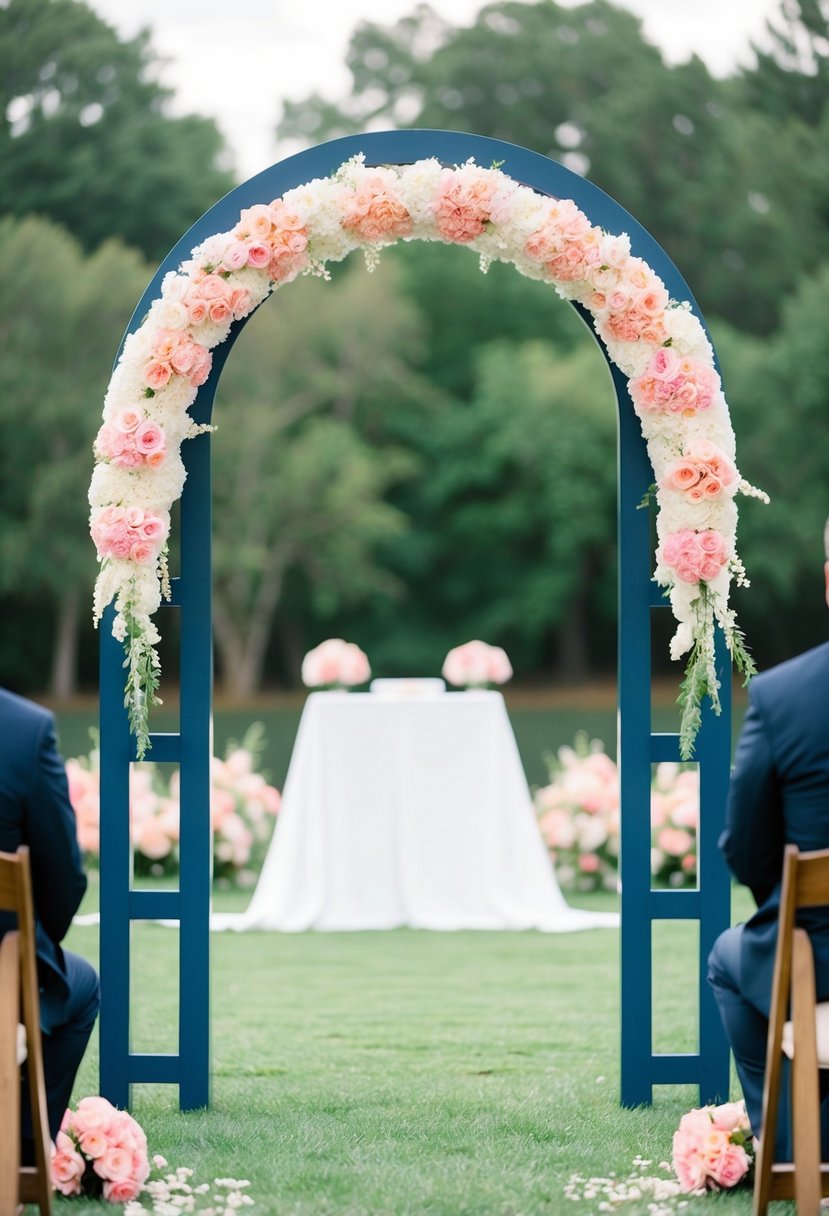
407	811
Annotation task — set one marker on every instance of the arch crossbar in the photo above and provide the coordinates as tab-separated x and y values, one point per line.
191	746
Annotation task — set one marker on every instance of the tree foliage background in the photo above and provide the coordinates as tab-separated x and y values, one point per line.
426	454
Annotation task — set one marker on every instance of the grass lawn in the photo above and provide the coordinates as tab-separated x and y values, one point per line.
456	1074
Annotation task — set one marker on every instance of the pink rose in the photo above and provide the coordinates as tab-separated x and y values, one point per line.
114	1164
731	1116
664	365
121	1190
153	527
93	1143
690	1171
149	437
258	255
211	287
201	367
713	544
373	211
142	552
67	1169
157	374
184	355
731	1166
239	303
197	311
461	206
235	255
94	1113
653	300
166	341
127	420
681	475
256	222
219	311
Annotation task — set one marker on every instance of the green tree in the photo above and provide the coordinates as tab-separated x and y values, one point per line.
735	196
791	77
778	392
513	518
86	138
315	411
59	329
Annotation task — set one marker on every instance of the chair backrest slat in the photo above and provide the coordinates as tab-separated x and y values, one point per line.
34	1184
812	888
10	887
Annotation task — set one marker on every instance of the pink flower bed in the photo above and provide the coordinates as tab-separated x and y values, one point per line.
579	816
243	806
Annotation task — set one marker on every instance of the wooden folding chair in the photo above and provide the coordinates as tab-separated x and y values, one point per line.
806	1178
19	992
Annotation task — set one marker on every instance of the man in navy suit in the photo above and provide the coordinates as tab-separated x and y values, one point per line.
779	795
35	810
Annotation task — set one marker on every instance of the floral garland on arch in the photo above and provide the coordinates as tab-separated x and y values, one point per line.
658	343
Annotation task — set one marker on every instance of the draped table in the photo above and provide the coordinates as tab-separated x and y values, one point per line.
403	809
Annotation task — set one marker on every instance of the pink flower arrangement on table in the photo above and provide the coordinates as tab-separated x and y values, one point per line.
476	664
100	1151
658	343
243	806
579	817
712	1148
335	664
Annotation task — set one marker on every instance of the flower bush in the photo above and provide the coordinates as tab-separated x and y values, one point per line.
100	1151
476	665
658	343
713	1148
335	664
242	810
579	816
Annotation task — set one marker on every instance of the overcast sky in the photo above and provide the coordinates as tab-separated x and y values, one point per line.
236	60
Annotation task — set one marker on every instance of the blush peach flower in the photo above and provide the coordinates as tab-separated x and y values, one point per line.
476	664
461	207
695	556
100	1150
712	1148
335	662
373	211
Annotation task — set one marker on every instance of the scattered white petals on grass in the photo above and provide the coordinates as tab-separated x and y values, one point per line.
173	1195
613	1192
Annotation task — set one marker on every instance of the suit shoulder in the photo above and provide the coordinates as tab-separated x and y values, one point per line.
21	714
792	676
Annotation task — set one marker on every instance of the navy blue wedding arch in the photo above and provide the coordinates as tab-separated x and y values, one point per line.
191	746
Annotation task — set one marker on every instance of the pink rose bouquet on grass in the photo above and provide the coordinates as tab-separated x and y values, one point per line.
713	1148
100	1151
476	665
335	664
